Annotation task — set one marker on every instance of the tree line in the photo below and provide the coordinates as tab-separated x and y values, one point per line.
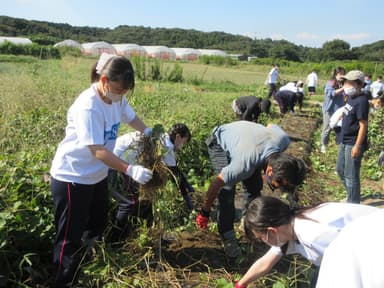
48	33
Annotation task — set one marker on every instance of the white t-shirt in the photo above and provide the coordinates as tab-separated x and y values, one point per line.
312	79
355	258
323	226
290	86
127	148
90	121
376	87
272	76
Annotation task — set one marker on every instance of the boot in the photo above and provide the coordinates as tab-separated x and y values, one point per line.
231	246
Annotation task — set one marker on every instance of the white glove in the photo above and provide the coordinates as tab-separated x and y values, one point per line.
139	173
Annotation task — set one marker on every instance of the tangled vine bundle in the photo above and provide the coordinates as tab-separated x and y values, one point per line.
151	157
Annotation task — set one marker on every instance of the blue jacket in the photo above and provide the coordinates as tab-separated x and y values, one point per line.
332	101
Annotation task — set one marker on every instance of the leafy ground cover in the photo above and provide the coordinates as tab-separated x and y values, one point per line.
173	253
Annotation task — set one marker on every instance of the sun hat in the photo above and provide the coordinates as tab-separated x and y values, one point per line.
354	75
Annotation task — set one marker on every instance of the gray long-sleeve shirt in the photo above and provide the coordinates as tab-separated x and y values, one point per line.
249	145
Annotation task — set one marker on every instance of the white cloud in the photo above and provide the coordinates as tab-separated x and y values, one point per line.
353	37
307	36
276	36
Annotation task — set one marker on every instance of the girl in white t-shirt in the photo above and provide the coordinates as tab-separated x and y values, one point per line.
306	231
126	191
80	167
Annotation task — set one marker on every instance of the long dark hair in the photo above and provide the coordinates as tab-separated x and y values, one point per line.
335	83
266	211
117	69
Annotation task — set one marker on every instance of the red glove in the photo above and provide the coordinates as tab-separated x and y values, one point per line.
202	219
237	285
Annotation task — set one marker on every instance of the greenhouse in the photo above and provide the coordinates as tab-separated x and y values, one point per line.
97	48
130	50
15	40
69	43
186	54
213	52
160	52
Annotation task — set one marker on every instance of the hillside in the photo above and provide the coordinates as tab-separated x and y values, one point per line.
49	33
126	34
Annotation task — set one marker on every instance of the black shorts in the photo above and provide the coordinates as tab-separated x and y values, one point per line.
312	89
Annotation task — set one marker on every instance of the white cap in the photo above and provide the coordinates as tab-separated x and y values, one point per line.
103	60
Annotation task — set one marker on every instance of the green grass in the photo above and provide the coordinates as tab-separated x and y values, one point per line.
35	97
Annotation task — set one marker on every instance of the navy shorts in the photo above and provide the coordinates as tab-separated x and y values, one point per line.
312	89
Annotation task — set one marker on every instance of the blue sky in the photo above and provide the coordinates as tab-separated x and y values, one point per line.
309	23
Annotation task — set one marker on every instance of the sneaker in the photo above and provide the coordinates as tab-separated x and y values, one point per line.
323	149
232	248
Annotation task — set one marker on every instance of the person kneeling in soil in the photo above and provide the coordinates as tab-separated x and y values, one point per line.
241	151
341	237
126	191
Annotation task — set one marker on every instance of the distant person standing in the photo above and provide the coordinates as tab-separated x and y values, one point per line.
377	87
334	99
273	77
312	82
354	131
367	82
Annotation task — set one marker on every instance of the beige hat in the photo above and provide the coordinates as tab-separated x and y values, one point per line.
354	75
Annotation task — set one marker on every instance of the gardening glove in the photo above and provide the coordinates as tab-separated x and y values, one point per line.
237	285
202	219
139	173
380	160
147	132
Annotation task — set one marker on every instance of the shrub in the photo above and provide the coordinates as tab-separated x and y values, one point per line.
40	51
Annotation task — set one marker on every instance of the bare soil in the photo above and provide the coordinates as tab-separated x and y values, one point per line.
202	252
